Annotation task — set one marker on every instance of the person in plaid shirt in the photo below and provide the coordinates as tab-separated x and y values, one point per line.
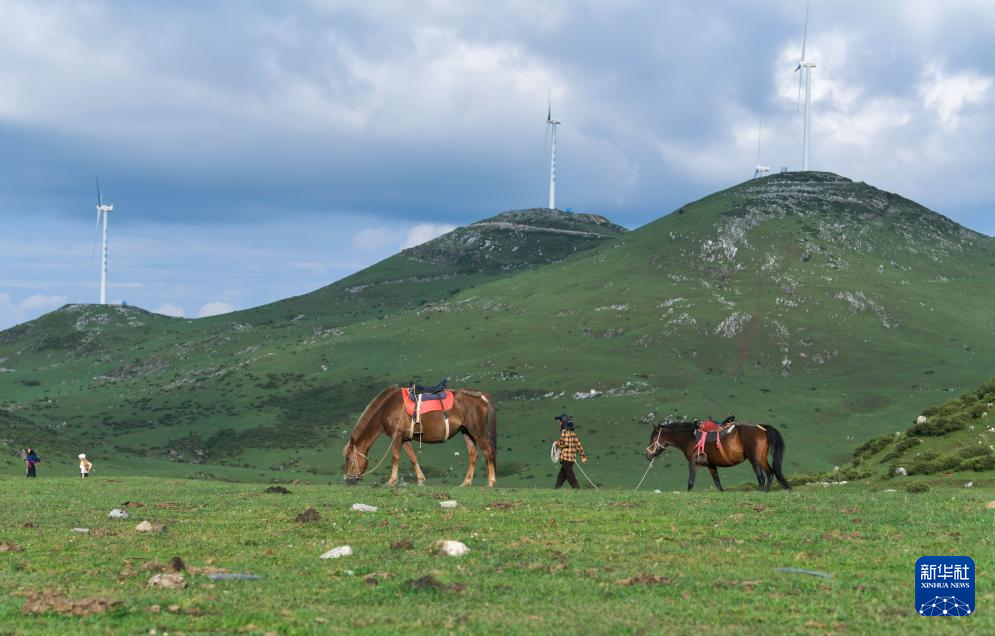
570	446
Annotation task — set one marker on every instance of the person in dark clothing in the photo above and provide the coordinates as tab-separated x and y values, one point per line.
569	446
31	459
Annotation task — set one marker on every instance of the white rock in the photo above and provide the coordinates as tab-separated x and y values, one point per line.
453	548
657	492
361	507
335	553
448	504
82	530
901	471
921	419
171	580
117	513
968	484
891	490
145	526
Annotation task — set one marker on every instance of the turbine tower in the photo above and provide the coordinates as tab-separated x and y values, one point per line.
760	170
104	210
805	65
552	124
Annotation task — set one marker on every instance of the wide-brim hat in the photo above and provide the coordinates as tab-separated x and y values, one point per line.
82	455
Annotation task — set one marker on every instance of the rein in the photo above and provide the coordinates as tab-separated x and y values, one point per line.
359	452
650	449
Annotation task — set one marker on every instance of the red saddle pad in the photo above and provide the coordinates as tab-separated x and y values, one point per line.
427	406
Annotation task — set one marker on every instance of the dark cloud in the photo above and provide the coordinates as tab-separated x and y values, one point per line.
310	113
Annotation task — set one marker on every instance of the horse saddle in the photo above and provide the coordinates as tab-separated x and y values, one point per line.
714	431
437	392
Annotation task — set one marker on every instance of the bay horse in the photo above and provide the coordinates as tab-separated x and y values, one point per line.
472	415
747	441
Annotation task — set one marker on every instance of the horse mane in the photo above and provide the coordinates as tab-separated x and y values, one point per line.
678	426
368	413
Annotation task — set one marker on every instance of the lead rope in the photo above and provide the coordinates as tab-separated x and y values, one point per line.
586	477
644	475
389	446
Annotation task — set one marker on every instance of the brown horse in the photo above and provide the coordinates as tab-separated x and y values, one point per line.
746	442
472	415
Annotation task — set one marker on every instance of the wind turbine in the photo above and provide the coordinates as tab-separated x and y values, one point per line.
805	66
759	170
103	209
552	124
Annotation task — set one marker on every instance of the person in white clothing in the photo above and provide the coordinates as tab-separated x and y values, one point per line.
84	466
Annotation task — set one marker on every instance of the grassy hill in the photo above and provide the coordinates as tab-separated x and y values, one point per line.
540	561
955	439
828	308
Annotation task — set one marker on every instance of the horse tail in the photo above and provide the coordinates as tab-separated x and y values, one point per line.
490	426
776	443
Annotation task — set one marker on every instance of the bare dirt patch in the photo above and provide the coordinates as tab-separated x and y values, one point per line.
429	582
645	579
309	516
44	602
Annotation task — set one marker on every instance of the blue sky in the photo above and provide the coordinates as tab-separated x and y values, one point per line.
257	150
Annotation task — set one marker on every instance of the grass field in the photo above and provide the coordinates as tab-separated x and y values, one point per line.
541	561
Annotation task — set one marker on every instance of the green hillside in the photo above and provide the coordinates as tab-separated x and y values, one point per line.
828	308
954	439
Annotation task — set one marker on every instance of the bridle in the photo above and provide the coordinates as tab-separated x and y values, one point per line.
652	448
355	449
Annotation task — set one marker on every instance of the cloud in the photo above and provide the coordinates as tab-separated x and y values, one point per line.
169	309
215	308
330	135
422	232
947	94
373	238
12	313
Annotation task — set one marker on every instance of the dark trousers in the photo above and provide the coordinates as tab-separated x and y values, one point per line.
566	474
31	471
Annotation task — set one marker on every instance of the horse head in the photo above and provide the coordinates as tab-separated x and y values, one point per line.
355	463
658	442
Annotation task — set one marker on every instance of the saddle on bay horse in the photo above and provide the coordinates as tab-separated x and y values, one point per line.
420	399
711	431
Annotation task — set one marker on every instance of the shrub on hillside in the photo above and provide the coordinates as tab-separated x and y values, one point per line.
937	427
979	464
917	487
872	446
900	448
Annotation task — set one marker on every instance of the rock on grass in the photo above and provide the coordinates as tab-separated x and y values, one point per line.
335	553
145	526
451	548
309	516
361	507
169	581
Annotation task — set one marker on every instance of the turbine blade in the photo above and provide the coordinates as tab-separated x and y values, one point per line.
805	33
100	200
549	106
